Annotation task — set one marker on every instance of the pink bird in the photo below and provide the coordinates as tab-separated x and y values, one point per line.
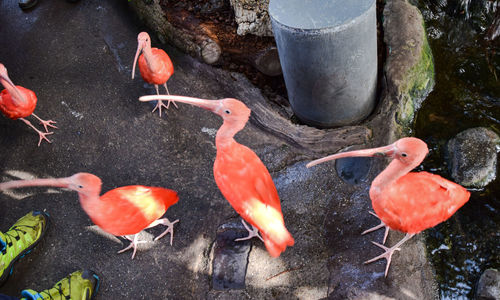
17	102
123	211
155	66
241	176
407	201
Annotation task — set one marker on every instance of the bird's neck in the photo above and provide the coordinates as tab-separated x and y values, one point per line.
90	202
225	134
16	95
153	64
395	170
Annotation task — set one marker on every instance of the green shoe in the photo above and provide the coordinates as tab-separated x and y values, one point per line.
79	285
19	240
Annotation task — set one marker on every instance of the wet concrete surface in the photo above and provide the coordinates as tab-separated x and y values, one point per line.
77	58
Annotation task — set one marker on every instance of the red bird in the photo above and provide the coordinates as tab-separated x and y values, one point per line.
17	102
241	176
154	64
404	201
122	211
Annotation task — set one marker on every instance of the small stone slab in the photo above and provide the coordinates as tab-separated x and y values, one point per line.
488	287
230	257
473	157
267	61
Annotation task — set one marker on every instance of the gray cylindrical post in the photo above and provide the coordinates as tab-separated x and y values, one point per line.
328	53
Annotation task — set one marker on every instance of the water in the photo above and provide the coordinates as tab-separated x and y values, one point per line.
466	95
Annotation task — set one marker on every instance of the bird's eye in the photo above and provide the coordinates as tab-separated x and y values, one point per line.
227	111
80	186
404	154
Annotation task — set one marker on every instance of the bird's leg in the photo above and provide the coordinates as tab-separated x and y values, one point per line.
389	251
133	244
382	224
170	228
159	104
41	134
254	232
45	123
166	89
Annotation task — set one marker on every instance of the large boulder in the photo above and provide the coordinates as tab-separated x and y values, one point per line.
409	67
473	157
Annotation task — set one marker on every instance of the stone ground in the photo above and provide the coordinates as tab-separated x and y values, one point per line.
77	58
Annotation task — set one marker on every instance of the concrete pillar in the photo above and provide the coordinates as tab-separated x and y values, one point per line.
328	53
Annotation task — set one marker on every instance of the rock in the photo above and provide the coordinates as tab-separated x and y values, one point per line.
230	257
252	17
353	170
488	287
268	62
210	51
409	68
473	157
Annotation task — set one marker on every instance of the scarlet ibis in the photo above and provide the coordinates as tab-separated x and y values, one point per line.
122	211
407	201
17	102
241	176
155	66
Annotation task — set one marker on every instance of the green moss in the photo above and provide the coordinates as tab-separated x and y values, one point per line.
420	78
418	83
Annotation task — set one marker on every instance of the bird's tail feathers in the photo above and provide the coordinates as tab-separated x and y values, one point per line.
278	242
270	223
169	197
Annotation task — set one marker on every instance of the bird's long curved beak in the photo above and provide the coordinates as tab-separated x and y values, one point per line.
140	46
56	182
212	105
384	151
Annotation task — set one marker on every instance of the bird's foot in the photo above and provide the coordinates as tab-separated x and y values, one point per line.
382	224
254	232
159	105
170	228
175	104
387	255
389	251
168	93
133	244
46	123
43	135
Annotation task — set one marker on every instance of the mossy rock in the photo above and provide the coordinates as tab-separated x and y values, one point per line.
409	67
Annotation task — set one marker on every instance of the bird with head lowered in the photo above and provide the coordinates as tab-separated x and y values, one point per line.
124	211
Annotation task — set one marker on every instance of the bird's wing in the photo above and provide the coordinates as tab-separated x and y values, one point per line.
130	209
246	183
420	200
164	58
241	175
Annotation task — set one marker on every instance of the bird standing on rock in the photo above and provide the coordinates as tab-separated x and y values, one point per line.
122	211
17	102
241	176
407	201
155	66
